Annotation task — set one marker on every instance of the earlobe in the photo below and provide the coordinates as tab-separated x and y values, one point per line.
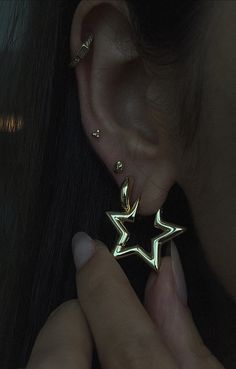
113	86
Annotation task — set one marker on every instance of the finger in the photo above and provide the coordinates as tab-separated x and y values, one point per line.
64	341
124	333
166	302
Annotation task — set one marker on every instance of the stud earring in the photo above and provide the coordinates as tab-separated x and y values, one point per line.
119	218
96	133
118	167
83	51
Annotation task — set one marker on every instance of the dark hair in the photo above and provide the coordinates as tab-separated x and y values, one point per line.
52	184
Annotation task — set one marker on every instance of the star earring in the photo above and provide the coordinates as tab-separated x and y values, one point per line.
119	218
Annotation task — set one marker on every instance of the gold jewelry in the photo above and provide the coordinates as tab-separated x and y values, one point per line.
118	167
83	51
96	133
117	218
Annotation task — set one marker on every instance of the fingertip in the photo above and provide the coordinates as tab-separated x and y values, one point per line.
83	248
160	291
150	283
100	245
178	274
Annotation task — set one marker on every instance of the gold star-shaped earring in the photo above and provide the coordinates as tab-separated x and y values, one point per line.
118	219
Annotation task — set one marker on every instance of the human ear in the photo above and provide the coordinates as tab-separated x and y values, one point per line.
113	88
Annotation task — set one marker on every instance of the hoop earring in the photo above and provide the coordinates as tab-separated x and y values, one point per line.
118	219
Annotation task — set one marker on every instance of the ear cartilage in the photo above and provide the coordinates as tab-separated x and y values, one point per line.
83	51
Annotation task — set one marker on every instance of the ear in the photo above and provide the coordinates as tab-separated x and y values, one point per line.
114	88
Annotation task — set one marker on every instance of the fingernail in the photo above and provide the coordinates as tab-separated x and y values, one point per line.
178	274
83	248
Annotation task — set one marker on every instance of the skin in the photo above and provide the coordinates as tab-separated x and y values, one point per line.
211	186
138	111
133	336
114	90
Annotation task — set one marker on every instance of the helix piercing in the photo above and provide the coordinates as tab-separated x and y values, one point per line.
83	51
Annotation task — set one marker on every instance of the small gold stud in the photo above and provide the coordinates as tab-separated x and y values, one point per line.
118	167
96	133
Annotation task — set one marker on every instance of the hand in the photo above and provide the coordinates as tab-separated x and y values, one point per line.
128	335
64	342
